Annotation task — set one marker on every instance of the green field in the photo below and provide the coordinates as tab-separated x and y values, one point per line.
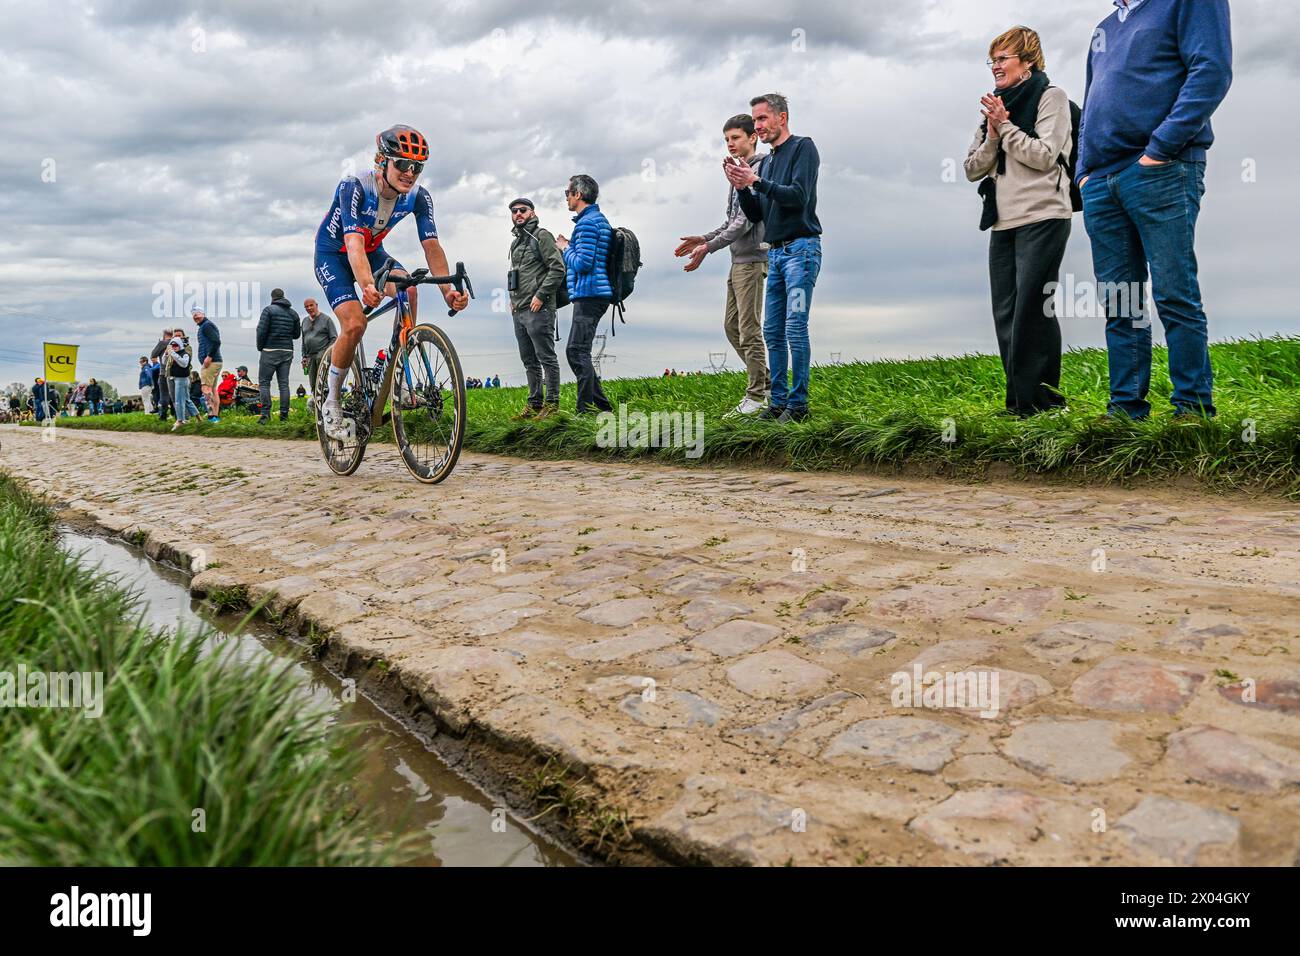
942	416
182	729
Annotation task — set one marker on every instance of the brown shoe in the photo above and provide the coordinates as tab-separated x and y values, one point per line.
527	413
547	410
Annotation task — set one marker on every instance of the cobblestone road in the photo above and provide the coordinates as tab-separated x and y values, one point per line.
728	656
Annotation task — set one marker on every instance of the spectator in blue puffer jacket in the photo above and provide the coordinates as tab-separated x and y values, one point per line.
589	288
147	383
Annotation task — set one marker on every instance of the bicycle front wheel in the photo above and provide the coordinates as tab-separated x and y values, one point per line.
428	404
343	457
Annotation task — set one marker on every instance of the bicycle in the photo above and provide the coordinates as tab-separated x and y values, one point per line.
427	400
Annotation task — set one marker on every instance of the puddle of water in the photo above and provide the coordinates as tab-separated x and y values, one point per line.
407	787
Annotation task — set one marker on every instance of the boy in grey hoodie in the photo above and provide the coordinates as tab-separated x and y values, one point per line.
748	276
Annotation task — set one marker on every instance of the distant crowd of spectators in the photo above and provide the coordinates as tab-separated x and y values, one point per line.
45	401
182	376
186	380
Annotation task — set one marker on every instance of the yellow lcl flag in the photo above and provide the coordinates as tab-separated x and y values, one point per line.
60	362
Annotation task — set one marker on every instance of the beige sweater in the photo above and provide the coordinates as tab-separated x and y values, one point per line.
1035	187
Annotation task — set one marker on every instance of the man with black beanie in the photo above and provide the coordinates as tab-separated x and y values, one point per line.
278	326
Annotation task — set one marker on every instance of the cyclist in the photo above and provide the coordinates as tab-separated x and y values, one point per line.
349	248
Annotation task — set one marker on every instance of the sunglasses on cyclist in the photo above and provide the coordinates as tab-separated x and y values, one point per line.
408	166
516	210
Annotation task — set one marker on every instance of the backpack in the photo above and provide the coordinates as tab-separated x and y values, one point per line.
1071	163
621	266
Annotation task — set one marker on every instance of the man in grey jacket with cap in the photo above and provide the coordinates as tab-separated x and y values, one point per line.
748	276
536	275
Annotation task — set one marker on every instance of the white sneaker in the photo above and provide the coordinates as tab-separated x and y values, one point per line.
336	426
177	424
747	406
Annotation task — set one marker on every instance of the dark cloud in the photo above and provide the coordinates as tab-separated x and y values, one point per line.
878	27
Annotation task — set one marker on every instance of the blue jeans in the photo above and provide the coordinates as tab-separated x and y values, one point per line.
791	275
1140	216
181	398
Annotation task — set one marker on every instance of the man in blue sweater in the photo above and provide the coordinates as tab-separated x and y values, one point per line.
1157	71
209	362
589	288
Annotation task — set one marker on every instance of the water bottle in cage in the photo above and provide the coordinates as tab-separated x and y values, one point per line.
377	373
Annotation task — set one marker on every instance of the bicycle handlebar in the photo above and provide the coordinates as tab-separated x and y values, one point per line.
459	280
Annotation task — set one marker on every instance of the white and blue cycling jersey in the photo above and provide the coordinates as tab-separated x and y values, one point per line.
358	209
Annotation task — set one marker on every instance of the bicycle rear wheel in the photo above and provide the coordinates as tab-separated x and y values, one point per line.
343	457
428	404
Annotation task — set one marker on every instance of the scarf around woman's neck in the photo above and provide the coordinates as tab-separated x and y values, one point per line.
1021	102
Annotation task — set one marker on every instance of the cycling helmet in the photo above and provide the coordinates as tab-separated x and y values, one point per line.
402	142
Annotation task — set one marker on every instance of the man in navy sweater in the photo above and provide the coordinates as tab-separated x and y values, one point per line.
784	200
1157	71
209	362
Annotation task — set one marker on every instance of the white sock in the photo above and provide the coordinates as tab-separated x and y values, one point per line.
336	379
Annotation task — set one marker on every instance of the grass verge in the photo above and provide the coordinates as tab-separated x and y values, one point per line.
595	825
198	759
942	415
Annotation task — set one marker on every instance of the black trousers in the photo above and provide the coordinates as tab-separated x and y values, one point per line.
587	314
163	395
1023	265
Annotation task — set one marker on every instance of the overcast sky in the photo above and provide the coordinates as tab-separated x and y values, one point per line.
151	143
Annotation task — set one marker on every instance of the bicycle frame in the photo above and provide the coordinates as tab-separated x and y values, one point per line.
402	326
